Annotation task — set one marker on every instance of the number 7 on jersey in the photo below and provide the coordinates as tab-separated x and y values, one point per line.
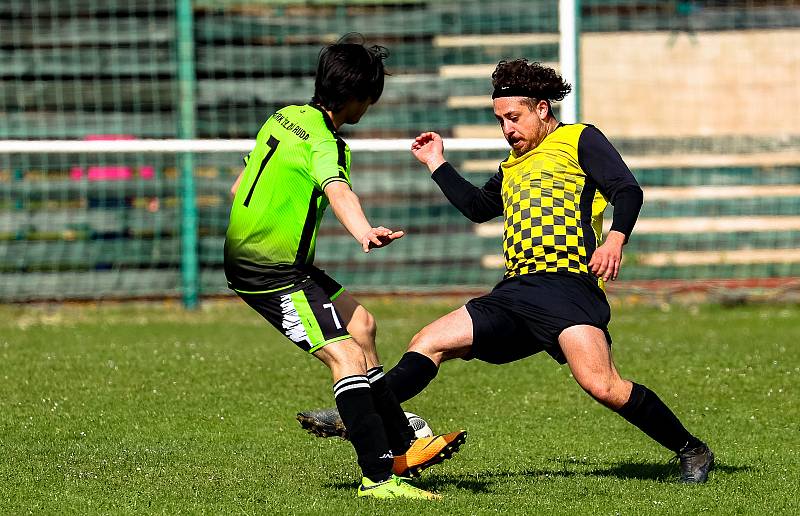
272	143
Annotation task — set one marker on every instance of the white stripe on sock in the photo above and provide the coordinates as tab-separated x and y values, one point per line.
374	374
340	390
350	382
347	380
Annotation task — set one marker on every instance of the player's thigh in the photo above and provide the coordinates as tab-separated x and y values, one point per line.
448	337
360	325
358	320
587	351
588	354
304	314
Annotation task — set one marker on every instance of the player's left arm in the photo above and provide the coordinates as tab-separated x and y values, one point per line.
347	208
601	161
235	185
330	170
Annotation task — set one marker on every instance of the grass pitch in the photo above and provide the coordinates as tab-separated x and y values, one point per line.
151	409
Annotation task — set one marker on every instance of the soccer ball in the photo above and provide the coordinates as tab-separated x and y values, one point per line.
420	426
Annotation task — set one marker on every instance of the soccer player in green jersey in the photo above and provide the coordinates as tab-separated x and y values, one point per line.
298	167
551	191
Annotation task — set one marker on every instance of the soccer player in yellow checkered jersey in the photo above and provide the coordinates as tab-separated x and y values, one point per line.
551	191
298	167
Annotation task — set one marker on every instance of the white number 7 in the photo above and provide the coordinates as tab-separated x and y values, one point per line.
330	307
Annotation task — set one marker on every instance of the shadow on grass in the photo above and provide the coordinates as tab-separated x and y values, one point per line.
483	481
659	472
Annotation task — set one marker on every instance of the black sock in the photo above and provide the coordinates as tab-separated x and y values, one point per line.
411	375
364	427
395	422
645	410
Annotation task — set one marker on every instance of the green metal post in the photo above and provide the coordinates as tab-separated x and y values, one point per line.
186	130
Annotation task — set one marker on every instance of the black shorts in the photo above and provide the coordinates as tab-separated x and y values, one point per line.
303	312
524	315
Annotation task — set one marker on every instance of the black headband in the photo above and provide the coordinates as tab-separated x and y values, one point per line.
513	91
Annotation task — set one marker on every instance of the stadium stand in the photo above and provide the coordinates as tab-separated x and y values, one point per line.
69	69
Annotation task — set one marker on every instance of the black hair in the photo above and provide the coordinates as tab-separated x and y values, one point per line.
349	70
533	79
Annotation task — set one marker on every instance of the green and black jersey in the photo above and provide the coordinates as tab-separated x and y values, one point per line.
280	201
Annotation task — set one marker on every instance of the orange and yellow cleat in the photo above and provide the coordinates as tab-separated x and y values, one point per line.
426	452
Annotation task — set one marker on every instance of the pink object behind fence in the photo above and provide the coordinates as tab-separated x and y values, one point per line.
110	173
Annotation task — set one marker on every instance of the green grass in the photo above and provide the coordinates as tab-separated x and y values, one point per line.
151	409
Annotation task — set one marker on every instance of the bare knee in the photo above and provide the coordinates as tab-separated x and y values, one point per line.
363	327
610	392
427	343
445	338
344	356
422	343
601	391
419	342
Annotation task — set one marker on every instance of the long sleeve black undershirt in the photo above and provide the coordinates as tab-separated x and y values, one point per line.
477	204
602	163
596	156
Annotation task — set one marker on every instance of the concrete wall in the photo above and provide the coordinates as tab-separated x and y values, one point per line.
709	84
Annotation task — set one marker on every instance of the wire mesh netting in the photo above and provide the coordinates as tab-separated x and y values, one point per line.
701	98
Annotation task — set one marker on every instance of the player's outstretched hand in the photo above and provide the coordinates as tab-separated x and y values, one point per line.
379	237
606	260
428	148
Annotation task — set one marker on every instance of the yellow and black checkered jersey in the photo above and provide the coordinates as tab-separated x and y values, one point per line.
552	200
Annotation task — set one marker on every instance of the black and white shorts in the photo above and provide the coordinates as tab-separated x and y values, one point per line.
303	312
524	315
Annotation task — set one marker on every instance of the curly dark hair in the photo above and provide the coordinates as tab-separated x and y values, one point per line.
542	82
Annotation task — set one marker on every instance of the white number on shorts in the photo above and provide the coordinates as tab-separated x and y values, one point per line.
330	307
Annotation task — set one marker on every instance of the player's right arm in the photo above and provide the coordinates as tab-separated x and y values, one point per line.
477	204
347	209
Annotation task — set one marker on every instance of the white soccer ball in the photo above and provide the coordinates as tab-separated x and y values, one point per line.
420	426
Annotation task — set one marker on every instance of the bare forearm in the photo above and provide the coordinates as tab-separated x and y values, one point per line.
347	209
